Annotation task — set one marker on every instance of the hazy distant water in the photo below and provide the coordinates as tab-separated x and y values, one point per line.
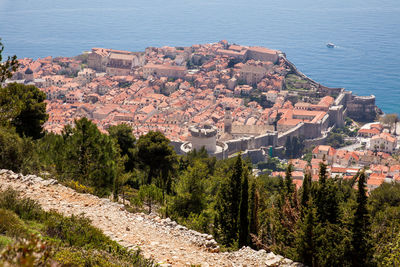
367	32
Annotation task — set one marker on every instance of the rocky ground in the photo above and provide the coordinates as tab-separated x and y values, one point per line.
168	243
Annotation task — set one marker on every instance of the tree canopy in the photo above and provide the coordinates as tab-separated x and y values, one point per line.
8	67
125	139
157	158
90	157
23	107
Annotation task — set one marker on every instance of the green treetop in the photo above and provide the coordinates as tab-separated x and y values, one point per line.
23	107
8	67
158	158
122	133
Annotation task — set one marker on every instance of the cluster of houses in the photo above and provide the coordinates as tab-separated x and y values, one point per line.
170	88
380	166
377	138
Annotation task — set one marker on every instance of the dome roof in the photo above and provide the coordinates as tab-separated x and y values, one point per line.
28	71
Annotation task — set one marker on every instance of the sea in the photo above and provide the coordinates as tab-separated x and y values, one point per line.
366	59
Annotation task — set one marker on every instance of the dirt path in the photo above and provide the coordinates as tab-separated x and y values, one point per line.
160	239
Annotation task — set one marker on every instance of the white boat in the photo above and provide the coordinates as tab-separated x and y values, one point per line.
330	45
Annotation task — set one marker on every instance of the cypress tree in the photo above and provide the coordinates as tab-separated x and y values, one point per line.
327	199
287	214
320	199
254	204
236	184
289	180
305	197
282	193
361	249
244	212
227	205
223	220
306	243
322	173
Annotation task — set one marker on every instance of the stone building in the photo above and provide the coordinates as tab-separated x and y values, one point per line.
114	62
86	75
252	73
262	54
362	108
164	70
234	51
384	142
119	64
98	59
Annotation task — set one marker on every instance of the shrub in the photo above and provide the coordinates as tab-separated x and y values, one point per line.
199	222
25	208
149	195
71	257
75	231
80	188
80	257
11	150
10	224
76	241
31	252
4	241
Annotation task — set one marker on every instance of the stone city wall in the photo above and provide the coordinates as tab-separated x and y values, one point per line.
255	155
249	143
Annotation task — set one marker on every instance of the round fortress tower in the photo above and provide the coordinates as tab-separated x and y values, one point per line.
205	136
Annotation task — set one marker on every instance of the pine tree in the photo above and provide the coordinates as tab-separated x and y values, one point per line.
190	191
361	249
158	158
125	139
90	157
149	195
8	67
23	107
244	212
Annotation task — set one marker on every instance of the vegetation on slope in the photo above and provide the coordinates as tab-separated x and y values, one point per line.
33	237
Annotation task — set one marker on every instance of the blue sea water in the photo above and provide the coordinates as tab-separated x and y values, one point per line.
367	33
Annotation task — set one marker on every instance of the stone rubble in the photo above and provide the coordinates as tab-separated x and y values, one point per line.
167	242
